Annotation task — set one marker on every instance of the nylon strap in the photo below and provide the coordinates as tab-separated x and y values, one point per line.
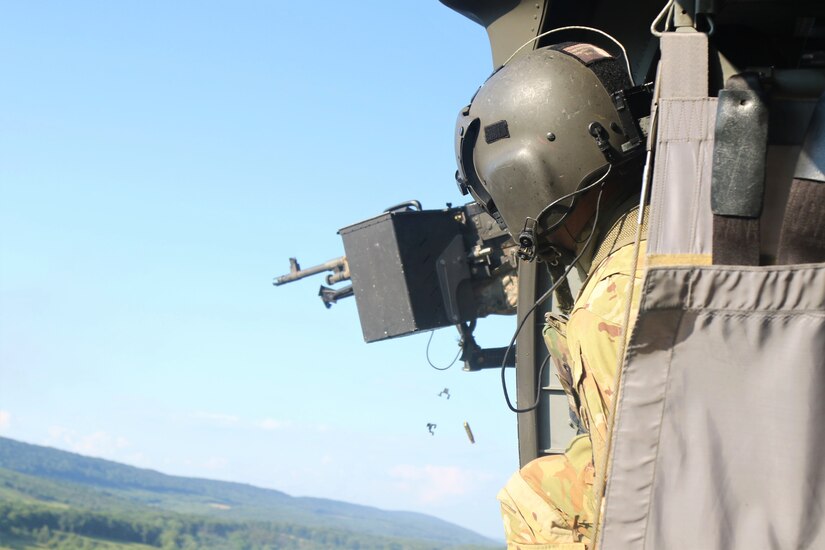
802	238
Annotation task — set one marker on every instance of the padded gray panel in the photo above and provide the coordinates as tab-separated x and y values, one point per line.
720	439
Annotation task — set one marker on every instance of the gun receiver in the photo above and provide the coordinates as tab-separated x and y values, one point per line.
415	270
339	268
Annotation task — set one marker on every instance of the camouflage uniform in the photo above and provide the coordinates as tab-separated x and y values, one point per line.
549	504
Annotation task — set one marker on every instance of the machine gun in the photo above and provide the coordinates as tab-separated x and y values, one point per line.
414	270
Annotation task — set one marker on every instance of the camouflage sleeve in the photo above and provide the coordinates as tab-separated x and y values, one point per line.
549	503
595	336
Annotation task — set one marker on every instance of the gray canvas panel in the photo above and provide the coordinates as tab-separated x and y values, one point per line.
720	439
681	220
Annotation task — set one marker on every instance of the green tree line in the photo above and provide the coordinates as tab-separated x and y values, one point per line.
54	527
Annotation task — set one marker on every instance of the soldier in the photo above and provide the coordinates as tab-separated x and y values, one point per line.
543	148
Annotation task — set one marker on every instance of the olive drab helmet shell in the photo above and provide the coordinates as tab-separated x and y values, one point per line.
527	137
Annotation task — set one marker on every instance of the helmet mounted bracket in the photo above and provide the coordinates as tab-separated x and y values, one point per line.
466	175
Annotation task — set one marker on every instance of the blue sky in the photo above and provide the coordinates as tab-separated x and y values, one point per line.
159	163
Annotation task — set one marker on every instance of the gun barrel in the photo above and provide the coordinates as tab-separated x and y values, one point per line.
338	265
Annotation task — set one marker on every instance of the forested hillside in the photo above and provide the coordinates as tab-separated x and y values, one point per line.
55	499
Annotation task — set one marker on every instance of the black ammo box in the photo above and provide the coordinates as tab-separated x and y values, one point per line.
392	263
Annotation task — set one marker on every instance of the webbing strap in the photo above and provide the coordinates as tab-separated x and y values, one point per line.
735	240
684	65
680	220
802	238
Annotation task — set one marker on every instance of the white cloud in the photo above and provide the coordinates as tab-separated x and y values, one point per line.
272	424
5	420
218	419
432	484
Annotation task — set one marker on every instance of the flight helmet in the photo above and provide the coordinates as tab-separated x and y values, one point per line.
541	128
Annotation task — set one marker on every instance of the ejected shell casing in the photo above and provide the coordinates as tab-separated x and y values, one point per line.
469	433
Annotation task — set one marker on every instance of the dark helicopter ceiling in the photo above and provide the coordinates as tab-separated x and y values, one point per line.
751	33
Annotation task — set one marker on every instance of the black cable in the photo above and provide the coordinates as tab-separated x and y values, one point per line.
538	389
428	355
543	299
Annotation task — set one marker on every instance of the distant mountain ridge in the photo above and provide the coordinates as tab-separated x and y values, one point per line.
45	474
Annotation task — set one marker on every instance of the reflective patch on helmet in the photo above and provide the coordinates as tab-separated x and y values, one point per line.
586	53
496	131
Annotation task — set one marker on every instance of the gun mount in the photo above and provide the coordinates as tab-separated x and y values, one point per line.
414	270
